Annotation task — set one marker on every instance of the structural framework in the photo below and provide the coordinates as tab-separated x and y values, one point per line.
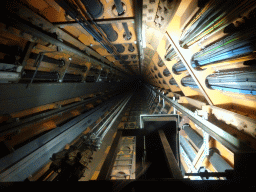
128	94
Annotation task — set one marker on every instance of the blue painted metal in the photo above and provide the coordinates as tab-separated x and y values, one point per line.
227	55
243	91
237	81
187	148
189	81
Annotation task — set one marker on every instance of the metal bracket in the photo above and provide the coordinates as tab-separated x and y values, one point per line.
39	60
203	152
174	109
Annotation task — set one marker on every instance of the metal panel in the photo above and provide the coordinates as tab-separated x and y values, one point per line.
16	97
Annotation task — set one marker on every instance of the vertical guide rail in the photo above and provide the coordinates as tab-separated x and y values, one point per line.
138	27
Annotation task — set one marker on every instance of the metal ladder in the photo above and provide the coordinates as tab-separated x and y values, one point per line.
123	170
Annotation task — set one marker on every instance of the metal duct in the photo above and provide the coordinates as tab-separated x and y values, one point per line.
131	48
46	59
173	82
179	66
187	148
189	82
166	72
108	29
197	139
94	7
120	48
170	54
214	17
9	76
133	56
119	7
83	68
236	45
127	32
72	78
216	160
40	76
238	82
160	63
72	11
90	79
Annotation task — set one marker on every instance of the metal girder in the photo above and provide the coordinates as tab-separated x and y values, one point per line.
26	54
16	22
20	164
16	97
229	141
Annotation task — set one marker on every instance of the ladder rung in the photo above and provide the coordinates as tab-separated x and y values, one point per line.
122	165
119	175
